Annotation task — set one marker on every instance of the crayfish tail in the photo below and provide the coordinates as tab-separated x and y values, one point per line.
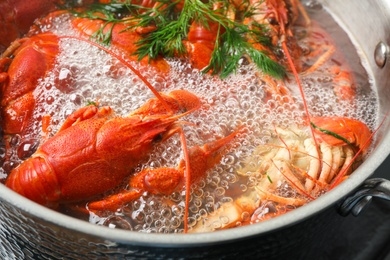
35	180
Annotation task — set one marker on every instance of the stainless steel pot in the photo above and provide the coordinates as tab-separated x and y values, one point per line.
28	230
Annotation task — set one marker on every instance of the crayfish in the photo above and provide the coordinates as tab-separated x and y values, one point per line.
91	145
288	172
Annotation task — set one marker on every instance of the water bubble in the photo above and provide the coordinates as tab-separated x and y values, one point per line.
175	222
166	213
117	222
219	191
177	210
27	147
138	216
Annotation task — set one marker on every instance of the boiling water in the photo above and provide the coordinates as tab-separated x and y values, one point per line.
90	74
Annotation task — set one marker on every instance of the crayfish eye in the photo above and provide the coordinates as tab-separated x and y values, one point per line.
272	21
158	138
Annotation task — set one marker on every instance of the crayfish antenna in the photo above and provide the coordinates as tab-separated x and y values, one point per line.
292	180
297	79
187	170
187	176
201	159
127	64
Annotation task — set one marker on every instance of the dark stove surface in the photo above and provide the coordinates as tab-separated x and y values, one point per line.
366	237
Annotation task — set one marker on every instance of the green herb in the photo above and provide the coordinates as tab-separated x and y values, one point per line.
331	134
226	56
91	103
104	13
233	38
167	39
269	178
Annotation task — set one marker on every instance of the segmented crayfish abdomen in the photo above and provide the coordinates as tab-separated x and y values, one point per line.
200	44
35	179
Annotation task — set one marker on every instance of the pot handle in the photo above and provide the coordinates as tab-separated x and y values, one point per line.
355	203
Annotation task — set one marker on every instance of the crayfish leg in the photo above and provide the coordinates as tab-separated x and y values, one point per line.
84	113
162	181
177	100
158	181
303	12
12	48
114	202
46	121
321	60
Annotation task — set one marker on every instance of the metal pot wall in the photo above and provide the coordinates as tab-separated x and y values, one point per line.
28	230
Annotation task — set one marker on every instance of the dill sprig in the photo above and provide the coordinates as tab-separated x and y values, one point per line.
160	14
106	13
232	42
167	39
328	132
91	103
226	56
269	178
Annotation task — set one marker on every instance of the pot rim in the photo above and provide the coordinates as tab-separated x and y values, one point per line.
114	236
192	240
